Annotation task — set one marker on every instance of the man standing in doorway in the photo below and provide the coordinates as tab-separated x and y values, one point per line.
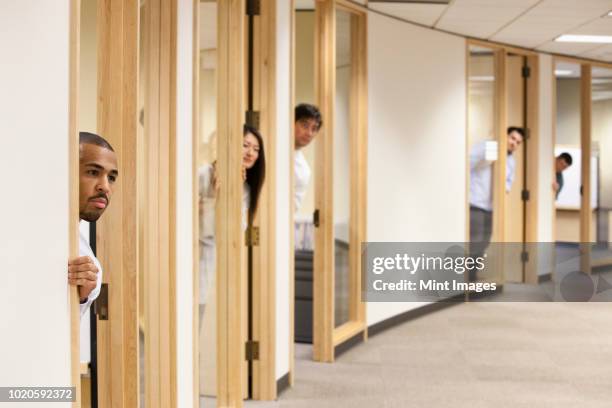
97	176
562	162
481	196
308	122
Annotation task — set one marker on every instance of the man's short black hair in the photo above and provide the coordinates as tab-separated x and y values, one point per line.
305	111
565	156
518	130
92	138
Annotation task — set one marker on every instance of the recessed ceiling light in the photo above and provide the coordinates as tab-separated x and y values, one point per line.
610	14
563	72
585	38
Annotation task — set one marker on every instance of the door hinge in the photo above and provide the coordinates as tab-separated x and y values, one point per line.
526	72
315	218
251	236
524	257
101	303
253	7
525	195
251	350
252	119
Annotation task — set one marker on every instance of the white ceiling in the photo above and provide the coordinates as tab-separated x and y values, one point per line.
527	23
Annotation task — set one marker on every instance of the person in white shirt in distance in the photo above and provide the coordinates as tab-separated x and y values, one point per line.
308	122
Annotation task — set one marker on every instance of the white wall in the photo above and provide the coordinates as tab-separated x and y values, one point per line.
417	135
34	323
184	204
283	200
602	135
568	111
304	93
545	155
545	197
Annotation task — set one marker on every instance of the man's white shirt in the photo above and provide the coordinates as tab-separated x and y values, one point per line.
85	250
481	171
302	178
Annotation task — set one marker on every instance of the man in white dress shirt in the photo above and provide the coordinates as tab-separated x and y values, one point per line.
481	195
97	176
308	122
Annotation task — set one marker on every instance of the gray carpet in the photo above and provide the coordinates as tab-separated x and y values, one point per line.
520	355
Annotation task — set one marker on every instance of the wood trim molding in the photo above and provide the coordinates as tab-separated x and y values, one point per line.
467	141
323	279
160	203
501	123
500	46
553	211
326	336
347	331
264	255
117	248
585	136
230	116
195	192
291	113
73	177
533	153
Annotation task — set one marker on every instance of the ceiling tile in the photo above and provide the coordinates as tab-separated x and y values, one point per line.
603	53
551	18
566	48
425	14
484	17
601	26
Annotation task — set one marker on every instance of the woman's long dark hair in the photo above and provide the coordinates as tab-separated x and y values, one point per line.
255	175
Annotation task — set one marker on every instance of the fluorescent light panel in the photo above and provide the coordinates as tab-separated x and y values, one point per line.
599	39
563	72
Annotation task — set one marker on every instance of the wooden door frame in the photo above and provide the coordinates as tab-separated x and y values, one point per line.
326	337
585	146
501	124
291	113
160	37
73	200
229	234
264	254
586	122
586	214
116	232
195	214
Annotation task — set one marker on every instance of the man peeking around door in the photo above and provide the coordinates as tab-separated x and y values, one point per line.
97	176
308	122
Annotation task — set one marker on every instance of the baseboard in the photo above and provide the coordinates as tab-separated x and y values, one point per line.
547	277
349	344
475	296
282	384
413	314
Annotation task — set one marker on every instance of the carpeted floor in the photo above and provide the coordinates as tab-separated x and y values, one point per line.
520	355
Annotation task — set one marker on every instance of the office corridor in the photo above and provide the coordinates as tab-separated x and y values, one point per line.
530	355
